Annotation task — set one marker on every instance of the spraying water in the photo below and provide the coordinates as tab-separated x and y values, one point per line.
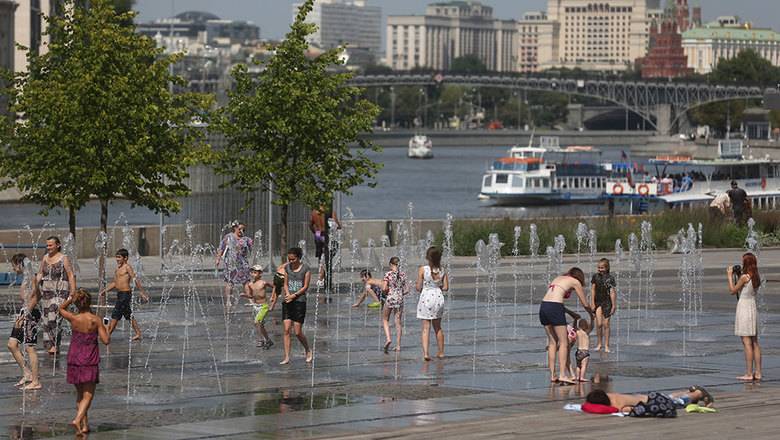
533	250
515	255
448	255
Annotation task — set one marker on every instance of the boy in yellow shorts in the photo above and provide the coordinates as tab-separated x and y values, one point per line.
255	290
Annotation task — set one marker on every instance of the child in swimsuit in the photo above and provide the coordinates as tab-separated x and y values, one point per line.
583	346
603	300
370	290
255	291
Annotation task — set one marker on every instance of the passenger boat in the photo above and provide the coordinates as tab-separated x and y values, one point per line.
420	147
759	177
546	174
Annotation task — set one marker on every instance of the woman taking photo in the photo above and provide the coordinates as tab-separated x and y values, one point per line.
746	320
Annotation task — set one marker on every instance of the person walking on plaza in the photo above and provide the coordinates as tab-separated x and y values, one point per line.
319	225
552	315
57	281
395	287
234	251
124	277
431	282
739	199
297	277
25	329
83	354
746	318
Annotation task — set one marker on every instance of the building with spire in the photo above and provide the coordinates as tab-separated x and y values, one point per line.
665	56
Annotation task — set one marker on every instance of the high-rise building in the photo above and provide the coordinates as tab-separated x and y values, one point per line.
28	29
607	35
535	41
724	38
449	30
191	30
345	22
7	10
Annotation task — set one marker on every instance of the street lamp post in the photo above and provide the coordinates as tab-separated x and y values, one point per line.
392	107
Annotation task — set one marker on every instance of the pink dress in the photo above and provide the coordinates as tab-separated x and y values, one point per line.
83	358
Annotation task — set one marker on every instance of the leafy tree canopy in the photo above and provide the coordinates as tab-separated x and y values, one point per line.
98	119
291	126
468	64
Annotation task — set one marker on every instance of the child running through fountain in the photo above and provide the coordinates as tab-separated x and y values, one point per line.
255	291
431	282
603	300
83	354
395	286
369	289
297	277
25	330
123	278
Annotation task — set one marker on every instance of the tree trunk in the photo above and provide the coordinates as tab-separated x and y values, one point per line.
102	252
283	231
72	222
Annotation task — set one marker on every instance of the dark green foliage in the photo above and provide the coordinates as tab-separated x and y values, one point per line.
291	126
98	118
717	232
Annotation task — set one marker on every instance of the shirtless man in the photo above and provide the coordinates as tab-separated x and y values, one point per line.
255	290
318	225
123	278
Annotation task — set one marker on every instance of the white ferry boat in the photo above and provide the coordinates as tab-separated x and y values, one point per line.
420	147
546	174
683	182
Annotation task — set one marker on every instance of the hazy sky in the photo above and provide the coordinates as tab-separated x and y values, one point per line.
274	16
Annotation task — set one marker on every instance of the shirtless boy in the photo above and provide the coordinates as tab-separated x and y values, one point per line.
255	290
123	278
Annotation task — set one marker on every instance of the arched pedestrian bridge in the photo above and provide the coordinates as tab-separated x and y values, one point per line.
660	103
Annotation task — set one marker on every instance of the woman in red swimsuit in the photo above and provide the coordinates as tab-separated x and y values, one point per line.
552	315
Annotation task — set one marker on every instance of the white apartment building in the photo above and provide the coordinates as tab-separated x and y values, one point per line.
535	41
449	30
349	22
597	34
724	39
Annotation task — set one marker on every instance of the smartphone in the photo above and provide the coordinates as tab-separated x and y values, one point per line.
106	321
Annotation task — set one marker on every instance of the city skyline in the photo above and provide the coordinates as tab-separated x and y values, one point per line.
274	17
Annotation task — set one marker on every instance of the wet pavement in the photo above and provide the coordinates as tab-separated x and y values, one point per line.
198	375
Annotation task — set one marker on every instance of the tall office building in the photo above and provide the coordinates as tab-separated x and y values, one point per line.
345	22
7	10
606	35
449	30
28	28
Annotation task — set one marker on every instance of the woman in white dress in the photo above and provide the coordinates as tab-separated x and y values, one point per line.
431	281
746	320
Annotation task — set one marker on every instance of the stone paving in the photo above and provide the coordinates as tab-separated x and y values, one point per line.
195	375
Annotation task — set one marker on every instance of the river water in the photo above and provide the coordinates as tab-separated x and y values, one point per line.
448	183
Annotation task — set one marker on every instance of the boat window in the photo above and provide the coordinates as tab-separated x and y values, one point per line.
517	181
754	171
487	181
576	183
502	178
587	183
545	182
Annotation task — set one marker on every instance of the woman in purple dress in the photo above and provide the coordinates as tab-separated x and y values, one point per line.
83	354
234	250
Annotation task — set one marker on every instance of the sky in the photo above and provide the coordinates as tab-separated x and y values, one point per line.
274	16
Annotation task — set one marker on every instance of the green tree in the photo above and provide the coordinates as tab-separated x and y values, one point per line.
468	64
296	121
748	67
98	118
